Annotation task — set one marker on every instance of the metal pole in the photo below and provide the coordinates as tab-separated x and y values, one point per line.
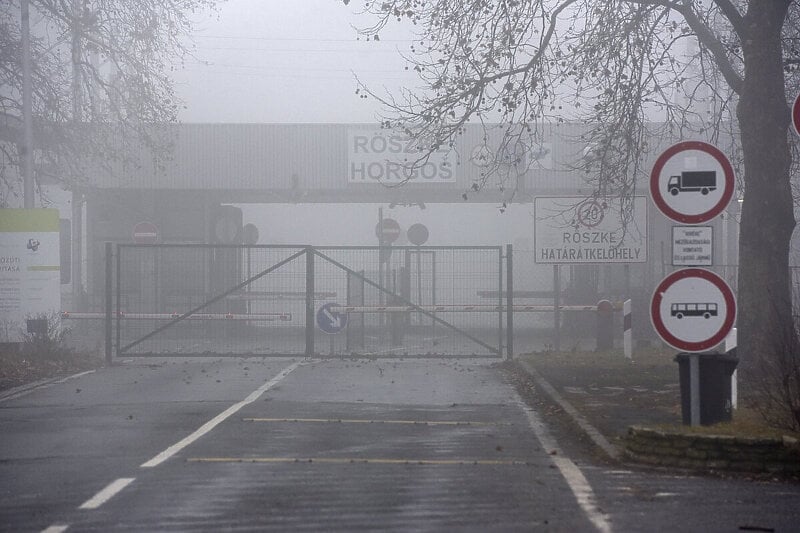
694	389
556	306
26	149
309	302
109	301
509	302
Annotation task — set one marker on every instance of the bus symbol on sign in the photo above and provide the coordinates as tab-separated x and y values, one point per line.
705	310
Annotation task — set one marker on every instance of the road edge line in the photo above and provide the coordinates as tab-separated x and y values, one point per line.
578	484
592	432
24	390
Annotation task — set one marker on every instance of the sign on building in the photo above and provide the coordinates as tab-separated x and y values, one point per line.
391	158
589	230
30	278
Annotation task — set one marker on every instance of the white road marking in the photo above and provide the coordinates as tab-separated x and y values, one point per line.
214	422
584	424
577	482
24	390
107	493
56	528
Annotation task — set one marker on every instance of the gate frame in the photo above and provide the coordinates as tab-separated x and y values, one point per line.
112	251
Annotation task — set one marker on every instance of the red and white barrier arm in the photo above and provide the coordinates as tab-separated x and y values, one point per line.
264	317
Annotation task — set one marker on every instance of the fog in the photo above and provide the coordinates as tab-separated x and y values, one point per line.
267	61
354	224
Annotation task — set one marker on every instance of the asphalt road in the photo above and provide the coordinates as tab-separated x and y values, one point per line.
334	445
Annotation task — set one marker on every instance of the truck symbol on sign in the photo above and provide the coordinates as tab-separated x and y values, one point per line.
705	310
693	181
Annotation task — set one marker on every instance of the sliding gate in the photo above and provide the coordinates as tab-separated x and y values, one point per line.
219	300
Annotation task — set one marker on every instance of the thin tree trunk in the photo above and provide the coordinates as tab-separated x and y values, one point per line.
764	292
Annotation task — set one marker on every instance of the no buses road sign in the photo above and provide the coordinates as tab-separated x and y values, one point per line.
693	309
692	182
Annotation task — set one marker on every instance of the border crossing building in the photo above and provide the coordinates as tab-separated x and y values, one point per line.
191	198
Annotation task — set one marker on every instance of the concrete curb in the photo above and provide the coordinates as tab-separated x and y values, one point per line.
592	432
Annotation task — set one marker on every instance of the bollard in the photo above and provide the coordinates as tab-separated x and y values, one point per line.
605	326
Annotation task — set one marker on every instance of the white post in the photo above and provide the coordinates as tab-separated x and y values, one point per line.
730	344
627	335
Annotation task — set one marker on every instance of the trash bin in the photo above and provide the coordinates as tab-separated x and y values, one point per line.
715	386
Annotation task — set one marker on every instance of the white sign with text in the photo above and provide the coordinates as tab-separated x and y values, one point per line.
589	230
391	158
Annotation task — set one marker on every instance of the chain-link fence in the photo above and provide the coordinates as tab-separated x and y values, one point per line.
294	300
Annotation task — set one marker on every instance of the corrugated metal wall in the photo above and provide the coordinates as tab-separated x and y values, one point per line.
314	157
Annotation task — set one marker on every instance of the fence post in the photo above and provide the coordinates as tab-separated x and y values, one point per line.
557	307
309	302
109	301
509	302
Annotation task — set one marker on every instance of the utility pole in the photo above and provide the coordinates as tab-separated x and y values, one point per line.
78	292
26	148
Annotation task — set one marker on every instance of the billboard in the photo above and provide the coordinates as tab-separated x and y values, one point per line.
30	279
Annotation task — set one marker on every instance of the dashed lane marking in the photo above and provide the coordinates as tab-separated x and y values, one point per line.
358	460
107	493
365	421
56	528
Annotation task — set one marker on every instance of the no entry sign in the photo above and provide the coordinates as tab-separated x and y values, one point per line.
387	230
692	182
693	309
145	233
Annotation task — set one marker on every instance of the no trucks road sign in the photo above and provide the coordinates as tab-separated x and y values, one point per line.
692	182
693	309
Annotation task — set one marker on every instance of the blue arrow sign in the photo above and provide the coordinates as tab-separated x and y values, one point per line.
329	320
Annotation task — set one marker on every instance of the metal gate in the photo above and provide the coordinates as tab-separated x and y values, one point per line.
264	300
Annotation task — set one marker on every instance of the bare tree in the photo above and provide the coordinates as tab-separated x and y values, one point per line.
613	65
100	71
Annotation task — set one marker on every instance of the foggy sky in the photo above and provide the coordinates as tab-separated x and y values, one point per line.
272	61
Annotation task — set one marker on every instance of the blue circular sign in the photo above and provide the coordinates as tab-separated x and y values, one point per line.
330	320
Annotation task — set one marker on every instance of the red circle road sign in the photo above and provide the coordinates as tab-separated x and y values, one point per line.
796	114
417	234
687	189
693	309
145	233
387	230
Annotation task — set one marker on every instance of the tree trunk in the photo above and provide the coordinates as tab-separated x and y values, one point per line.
764	292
